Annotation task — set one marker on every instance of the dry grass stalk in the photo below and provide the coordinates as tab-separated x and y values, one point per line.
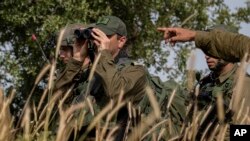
45	91
244	119
80	120
163	130
171	99
154	127
90	106
51	103
118	106
41	74
237	93
35	120
111	133
37	128
129	105
97	131
91	74
62	125
134	114
170	127
63	132
220	107
144	124
121	95
153	102
186	133
54	62
194	127
96	119
38	78
26	124
222	133
5	116
127	130
212	135
51	78
204	134
49	107
66	95
176	138
1	97
209	109
240	110
191	72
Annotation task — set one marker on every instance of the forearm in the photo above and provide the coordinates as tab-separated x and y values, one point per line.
67	76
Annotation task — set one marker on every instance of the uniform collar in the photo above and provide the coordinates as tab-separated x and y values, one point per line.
224	77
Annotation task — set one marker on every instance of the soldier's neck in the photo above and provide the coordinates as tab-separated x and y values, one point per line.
225	69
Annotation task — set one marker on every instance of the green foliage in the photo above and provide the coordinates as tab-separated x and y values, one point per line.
21	18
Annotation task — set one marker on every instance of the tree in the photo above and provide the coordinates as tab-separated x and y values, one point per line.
21	59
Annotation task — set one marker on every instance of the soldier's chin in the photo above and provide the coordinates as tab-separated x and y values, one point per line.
212	68
65	61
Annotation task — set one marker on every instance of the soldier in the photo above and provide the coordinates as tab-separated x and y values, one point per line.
68	39
223	76
66	54
109	36
219	81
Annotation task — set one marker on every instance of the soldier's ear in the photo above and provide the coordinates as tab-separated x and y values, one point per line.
121	41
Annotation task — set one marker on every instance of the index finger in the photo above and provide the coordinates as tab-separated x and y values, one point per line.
162	29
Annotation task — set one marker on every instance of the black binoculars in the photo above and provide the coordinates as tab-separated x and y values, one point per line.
83	33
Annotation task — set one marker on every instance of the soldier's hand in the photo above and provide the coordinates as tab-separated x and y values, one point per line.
176	34
101	40
80	51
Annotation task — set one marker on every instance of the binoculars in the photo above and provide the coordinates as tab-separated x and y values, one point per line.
83	33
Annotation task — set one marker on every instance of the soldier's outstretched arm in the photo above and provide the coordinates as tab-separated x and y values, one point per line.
226	45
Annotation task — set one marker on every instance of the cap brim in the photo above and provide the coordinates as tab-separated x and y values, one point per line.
103	28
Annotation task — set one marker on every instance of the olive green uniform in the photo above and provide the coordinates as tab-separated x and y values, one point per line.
210	87
225	45
228	46
109	80
111	77
132	79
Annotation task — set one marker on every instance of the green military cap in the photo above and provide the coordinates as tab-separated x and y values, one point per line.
68	36
111	25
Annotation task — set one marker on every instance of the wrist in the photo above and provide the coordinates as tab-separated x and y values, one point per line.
193	35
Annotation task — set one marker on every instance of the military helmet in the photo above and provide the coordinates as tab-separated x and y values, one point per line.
68	36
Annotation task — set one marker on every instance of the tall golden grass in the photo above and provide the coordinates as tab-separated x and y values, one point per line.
36	120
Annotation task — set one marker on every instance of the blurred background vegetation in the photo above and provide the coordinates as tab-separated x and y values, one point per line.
21	59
